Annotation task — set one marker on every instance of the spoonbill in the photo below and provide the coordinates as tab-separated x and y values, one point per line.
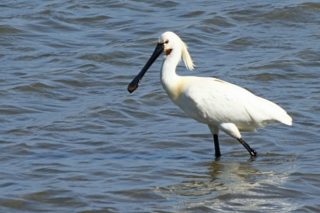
221	105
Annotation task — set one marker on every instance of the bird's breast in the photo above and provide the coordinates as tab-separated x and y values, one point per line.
174	89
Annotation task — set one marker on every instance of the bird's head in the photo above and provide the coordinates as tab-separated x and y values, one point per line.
172	46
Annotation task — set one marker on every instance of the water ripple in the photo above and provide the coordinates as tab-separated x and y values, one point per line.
74	140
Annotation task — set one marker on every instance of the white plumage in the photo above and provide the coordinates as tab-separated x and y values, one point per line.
212	101
219	104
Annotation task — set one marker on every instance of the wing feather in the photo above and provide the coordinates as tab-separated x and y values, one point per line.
214	101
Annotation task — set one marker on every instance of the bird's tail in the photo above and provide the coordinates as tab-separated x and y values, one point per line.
270	112
285	118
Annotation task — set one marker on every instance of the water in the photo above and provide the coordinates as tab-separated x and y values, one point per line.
74	140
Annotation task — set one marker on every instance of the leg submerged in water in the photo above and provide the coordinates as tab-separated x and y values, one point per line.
214	130
216	145
252	152
232	130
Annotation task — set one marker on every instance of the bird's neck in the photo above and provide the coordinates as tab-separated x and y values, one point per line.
169	78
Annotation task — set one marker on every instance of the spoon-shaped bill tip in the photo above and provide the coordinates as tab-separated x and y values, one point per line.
133	86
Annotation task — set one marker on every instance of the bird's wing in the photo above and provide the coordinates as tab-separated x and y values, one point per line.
219	102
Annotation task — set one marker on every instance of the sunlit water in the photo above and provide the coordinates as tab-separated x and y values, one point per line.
74	140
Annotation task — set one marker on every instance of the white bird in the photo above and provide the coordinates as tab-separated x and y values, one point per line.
221	105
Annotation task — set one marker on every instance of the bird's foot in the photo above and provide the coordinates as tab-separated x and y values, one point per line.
253	154
217	157
251	151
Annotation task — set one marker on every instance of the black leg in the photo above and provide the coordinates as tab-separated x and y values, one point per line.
250	150
216	145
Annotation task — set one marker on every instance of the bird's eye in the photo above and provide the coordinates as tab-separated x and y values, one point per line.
166	42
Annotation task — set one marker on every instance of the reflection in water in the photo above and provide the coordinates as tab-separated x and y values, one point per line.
238	184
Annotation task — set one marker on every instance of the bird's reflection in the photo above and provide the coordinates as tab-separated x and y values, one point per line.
231	171
237	185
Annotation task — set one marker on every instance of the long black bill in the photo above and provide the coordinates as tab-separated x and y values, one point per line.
135	82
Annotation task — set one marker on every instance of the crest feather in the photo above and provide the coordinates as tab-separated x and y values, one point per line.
186	56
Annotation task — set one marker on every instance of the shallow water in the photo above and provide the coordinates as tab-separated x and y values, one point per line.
74	140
